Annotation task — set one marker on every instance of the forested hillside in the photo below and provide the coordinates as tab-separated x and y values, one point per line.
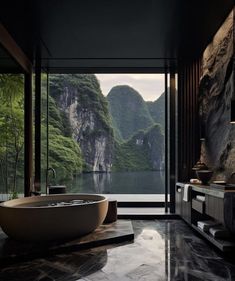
157	110
80	98
128	110
64	152
142	152
114	134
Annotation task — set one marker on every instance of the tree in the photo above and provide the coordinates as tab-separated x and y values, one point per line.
11	126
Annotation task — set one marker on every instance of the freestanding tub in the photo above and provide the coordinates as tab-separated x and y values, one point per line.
31	219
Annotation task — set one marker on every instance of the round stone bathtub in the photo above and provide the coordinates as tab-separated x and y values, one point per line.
52	217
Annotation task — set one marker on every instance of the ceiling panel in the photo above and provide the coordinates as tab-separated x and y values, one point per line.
115	33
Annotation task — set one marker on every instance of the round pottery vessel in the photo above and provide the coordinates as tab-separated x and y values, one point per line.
31	219
200	166
204	175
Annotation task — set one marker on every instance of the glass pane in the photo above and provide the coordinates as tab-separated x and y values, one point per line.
106	132
11	135
43	131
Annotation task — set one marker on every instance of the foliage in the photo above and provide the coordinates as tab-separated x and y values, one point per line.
11	129
85	89
64	152
129	157
80	98
136	153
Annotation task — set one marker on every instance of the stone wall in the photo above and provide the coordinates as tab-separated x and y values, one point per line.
216	91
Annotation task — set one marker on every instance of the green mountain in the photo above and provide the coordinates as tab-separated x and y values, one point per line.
157	110
129	111
80	98
64	153
144	151
85	137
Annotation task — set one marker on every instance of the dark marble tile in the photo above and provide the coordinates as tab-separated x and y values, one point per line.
162	250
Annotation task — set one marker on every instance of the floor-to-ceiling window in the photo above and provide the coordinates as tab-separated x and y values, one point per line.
106	133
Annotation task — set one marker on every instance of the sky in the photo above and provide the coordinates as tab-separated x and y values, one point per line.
150	86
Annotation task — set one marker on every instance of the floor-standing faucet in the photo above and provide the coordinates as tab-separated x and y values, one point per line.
47	178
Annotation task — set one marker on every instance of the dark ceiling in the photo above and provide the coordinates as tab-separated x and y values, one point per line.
7	63
107	33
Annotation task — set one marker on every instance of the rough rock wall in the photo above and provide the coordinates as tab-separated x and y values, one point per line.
95	138
152	143
216	90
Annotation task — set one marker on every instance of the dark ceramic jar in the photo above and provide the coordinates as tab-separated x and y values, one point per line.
200	166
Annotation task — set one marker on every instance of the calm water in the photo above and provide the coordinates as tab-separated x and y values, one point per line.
112	183
119	183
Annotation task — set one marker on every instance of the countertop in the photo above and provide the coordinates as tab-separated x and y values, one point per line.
206	189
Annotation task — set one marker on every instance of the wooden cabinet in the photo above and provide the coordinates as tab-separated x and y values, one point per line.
183	208
198	206
215	208
178	200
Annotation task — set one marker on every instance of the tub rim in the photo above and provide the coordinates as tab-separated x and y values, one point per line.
36	199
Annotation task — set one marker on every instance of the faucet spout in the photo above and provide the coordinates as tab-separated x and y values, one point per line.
47	177
53	172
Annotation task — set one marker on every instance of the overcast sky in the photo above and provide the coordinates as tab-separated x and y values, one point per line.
150	86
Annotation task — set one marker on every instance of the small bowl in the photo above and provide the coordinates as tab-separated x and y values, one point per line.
204	175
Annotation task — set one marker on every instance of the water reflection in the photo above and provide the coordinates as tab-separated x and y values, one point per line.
119	183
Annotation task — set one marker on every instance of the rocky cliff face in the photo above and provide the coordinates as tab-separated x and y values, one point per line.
216	89
144	151
80	97
157	110
141	140
152	143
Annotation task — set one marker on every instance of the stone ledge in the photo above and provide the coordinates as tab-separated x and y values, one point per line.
12	251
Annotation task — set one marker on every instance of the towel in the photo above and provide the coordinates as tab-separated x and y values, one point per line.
187	188
206	225
201	198
219	232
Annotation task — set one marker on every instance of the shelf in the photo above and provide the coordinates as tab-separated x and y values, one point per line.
223	245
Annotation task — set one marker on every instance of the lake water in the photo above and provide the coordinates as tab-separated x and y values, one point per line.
119	183
110	183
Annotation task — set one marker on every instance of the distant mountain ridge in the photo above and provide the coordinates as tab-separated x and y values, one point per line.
157	110
138	128
143	151
129	112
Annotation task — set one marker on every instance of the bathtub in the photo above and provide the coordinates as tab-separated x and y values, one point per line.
31	219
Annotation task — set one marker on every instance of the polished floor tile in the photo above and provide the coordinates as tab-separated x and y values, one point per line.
162	250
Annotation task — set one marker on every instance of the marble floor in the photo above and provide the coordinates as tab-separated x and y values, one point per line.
162	250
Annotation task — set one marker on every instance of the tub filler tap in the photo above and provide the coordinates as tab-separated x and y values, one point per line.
47	177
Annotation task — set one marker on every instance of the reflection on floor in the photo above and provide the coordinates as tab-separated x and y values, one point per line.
162	250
